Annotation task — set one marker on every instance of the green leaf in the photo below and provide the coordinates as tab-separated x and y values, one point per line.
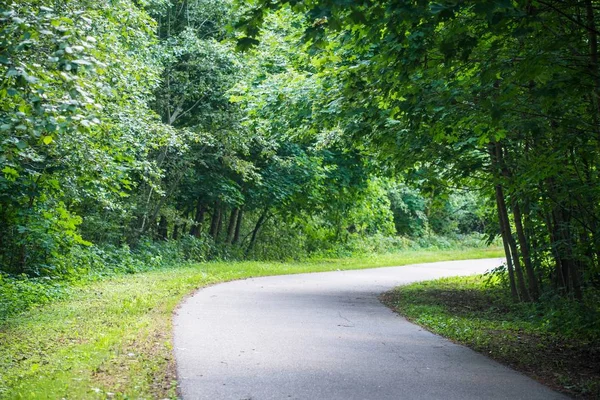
246	43
9	171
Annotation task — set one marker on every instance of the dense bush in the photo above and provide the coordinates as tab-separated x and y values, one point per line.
86	263
288	245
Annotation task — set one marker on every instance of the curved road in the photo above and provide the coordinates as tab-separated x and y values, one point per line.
327	336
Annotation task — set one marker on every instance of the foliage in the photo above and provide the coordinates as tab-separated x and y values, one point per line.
73	75
129	122
499	96
85	264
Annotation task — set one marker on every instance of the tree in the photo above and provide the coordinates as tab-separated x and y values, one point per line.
469	92
70	86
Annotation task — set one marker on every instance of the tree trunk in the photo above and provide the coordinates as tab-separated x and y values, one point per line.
162	228
505	241
198	219
215	221
219	224
257	227
516	261
511	240
559	279
501	206
238	227
152	219
232	224
524	245
175	234
565	243
594	240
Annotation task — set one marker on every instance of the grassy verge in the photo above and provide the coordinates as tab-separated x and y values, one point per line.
556	342
112	339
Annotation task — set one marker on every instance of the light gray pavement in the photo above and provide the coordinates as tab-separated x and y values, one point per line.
327	336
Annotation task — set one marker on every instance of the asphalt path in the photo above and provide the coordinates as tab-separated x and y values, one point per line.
327	336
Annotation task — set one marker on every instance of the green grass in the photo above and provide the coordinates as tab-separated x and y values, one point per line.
556	341
112	339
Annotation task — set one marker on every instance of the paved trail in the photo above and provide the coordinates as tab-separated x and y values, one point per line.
326	336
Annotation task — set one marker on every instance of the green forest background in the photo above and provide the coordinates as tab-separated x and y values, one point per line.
136	135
